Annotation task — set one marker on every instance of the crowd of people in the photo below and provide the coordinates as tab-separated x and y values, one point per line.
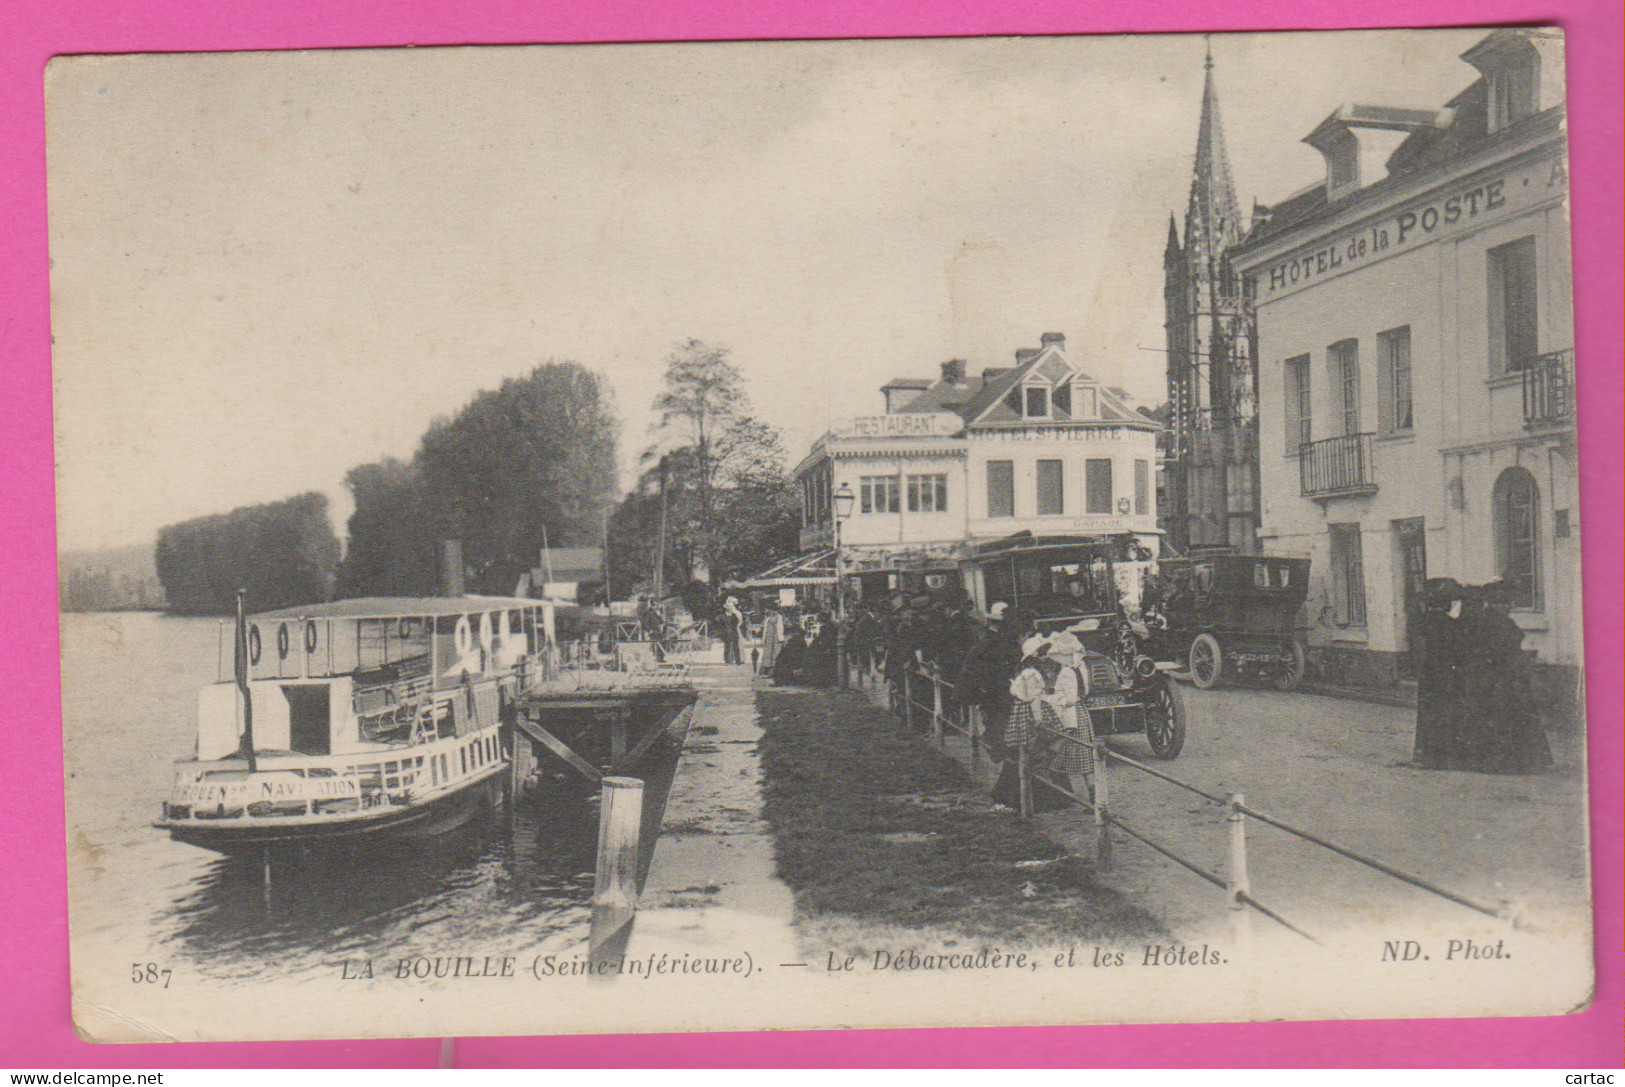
1475	710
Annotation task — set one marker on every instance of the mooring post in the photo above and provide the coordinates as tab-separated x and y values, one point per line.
1103	825
1237	886
1023	777
615	890
937	730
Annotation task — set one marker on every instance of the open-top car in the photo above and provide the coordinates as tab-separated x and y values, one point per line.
1233	616
1090	586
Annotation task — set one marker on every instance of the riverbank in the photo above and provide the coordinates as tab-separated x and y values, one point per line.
887	842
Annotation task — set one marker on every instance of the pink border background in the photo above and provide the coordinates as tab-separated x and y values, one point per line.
35	1028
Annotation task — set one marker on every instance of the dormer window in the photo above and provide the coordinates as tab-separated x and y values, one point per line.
1511	63
1036	399
1088	403
1512	92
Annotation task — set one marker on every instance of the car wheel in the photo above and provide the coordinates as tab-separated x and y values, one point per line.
1289	679
1206	661
1165	722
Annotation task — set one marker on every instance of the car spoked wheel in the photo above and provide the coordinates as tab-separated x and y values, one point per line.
1206	661
1289	679
1165	722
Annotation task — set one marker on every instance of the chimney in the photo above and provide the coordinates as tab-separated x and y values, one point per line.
992	372
1025	354
953	372
451	568
1056	338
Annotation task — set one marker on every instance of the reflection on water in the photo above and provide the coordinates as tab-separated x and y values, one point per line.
516	875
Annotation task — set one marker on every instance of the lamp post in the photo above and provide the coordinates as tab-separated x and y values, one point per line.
843	500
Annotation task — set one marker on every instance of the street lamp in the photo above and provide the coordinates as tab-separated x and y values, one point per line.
843	500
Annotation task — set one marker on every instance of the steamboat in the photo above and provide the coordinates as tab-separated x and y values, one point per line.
358	719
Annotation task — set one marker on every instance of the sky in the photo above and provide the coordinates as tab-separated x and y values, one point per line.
267	268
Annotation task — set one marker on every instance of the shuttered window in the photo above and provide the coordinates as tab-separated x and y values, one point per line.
1050	501
1097	485
1142	488
1001	488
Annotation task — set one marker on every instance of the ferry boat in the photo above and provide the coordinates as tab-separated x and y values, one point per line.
357	718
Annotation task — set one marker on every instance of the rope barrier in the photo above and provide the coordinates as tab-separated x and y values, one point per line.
1387	869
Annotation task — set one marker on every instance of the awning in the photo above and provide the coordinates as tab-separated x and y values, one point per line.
816	568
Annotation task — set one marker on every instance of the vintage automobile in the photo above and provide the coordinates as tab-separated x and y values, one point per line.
1233	616
1089	585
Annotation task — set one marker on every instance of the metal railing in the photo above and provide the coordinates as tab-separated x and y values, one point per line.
1336	466
1548	389
924	698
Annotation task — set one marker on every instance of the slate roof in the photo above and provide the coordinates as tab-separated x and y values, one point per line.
1467	133
981	401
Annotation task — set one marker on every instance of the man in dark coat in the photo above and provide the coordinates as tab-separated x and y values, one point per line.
984	678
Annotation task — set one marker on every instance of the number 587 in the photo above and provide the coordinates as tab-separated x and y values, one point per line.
149	973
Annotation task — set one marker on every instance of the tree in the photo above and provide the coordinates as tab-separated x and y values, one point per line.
731	512
392	549
282	553
704	395
532	461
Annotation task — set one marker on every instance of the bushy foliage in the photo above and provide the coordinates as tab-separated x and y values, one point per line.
532	461
729	508
281	553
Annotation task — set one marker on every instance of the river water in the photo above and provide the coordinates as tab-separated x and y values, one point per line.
508	880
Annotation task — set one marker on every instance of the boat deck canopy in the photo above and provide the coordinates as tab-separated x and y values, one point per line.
400	607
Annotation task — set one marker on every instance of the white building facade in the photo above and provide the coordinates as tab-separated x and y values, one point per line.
1416	367
1040	446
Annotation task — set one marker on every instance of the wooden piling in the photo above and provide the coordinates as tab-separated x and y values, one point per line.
615	890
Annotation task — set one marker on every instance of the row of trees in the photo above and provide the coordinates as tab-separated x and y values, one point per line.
283	553
529	464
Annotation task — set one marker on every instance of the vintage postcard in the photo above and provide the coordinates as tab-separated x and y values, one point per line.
819	534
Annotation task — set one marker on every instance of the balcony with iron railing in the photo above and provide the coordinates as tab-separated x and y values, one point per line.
1337	467
1548	390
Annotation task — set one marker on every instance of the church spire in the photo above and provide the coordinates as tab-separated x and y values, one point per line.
1212	218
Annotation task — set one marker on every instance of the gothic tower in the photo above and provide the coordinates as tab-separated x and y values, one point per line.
1212	456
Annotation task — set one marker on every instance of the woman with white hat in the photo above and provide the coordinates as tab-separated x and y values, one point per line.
1076	753
1045	694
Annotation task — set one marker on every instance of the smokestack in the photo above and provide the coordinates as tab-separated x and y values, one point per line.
953	372
451	568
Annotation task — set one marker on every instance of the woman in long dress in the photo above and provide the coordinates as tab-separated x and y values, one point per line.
1040	695
772	630
1075	754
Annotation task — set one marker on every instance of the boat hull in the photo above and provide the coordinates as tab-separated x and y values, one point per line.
437	815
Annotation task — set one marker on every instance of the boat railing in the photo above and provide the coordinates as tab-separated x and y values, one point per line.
322	785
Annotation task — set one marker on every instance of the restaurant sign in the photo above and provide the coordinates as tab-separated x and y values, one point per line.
939	424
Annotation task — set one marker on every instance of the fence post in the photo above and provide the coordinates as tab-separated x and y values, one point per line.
936	707
1026	783
1103	825
1237	885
